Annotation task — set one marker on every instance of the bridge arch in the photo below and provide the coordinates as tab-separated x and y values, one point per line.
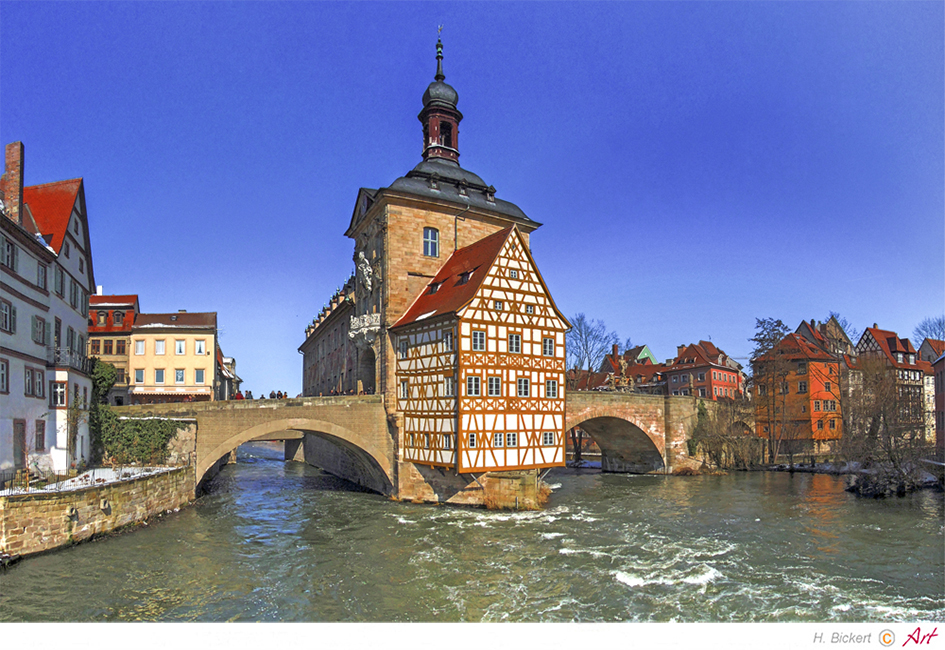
370	463
625	445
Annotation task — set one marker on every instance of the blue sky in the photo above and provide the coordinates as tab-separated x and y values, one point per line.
695	165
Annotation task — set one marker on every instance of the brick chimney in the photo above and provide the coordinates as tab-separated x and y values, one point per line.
12	183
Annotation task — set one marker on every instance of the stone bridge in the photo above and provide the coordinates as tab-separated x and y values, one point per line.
351	437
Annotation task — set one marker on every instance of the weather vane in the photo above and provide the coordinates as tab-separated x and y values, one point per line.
438	30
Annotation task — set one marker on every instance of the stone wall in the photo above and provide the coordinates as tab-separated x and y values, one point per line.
514	490
36	522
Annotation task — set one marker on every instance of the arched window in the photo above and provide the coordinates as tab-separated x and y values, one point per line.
431	242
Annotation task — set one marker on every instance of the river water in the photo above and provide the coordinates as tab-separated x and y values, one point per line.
277	541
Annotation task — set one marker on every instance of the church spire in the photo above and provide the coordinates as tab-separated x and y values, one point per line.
440	117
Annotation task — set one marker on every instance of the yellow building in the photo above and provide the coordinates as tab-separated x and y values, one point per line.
172	358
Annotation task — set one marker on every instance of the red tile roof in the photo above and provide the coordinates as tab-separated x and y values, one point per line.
181	319
51	206
938	347
452	294
794	346
890	344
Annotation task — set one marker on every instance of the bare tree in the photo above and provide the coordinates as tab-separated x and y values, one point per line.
587	342
770	368
724	437
932	327
884	431
851	332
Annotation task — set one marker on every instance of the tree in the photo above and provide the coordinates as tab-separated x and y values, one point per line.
770	368
884	431
932	327
587	343
723	436
101	419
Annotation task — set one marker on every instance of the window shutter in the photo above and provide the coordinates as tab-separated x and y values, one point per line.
12	319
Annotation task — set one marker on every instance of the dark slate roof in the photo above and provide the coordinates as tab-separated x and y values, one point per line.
449	177
183	319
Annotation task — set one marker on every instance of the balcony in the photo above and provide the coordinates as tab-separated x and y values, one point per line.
66	358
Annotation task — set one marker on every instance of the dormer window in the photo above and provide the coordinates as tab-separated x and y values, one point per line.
899	357
118	317
911	359
431	242
462	187
434	287
101	318
490	194
464	277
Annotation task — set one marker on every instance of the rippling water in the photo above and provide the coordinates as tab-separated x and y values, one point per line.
285	541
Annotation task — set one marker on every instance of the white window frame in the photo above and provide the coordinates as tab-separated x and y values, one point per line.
7	316
4	376
159	376
179	376
548	438
494	387
42	272
199	378
498	305
551	388
498	439
180	347
431	242
160	346
449	387
448	340
513	274
548	347
200	347
8	254
529	309
139	375
473	386
404	389
139	347
515	343
478	341
511	439
402	345
523	387
471	440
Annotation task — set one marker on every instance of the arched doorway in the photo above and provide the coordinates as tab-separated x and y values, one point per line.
367	370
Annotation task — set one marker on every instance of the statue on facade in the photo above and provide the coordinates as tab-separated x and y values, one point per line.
365	273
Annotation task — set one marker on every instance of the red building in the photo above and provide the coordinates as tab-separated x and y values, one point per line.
703	370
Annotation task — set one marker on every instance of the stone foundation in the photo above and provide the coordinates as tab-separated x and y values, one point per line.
36	522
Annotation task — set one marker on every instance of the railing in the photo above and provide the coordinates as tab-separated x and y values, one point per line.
64	357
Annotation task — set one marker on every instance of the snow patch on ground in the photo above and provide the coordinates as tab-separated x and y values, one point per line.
95	478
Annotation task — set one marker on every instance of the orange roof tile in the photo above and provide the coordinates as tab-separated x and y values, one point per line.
452	294
51	206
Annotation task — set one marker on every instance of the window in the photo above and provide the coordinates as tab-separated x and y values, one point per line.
180	347
478	341
498	305
448	340
120	347
446	134
198	376
39	330
39	383
159	347
523	387
4	376
548	438
702	392
515	343
178	376
513	274
833	424
464	277
830	405
447	441
431	242
139	376
495	387
57	394
449	387
472	387
548	347
107	346
827	386
28	382
497	439
404	389
59	279
100	318
7	317
403	347
820	425
802	368
472	440
120	376
81	265
41	270
801	387
701	376
511	439
68	249
75	227
139	347
117	317
551	388
73	294
816	405
8	254
200	347
159	376
529	309
40	435
70	339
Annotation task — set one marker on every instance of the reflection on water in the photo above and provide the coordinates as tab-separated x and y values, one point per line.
284	541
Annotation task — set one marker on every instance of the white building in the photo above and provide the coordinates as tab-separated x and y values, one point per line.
45	281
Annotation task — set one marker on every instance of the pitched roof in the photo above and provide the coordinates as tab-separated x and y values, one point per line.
795	346
452	293
699	354
937	347
890	344
51	206
183	319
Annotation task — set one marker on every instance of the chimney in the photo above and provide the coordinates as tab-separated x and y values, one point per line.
679	349
99	290
181	311
874	326
616	351
12	183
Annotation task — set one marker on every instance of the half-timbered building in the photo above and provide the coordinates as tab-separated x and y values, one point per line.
480	363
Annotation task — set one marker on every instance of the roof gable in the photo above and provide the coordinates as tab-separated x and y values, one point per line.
51	206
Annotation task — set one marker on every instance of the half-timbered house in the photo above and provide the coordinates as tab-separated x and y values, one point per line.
480	363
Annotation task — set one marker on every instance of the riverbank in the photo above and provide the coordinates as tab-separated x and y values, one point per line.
42	520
